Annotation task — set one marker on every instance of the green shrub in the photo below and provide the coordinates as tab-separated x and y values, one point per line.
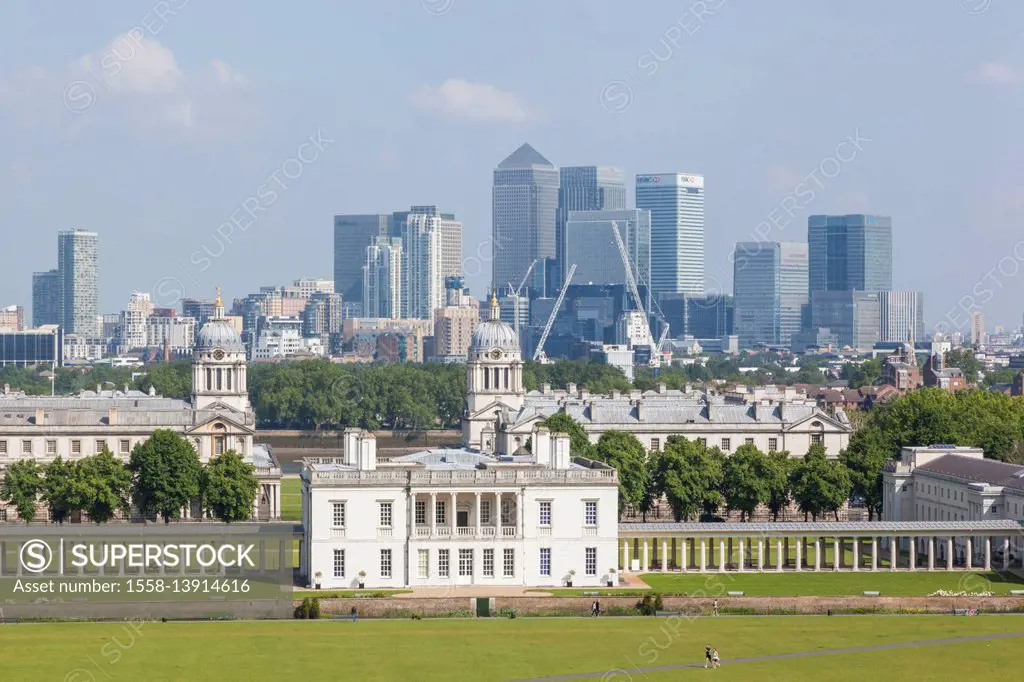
302	610
313	612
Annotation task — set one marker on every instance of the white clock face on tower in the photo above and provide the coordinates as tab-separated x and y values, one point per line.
218	354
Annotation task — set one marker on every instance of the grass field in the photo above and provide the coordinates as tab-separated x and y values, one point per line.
291	499
615	649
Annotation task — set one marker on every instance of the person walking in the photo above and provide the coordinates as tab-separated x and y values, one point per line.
593	609
714	608
715	663
707	656
597	608
353	614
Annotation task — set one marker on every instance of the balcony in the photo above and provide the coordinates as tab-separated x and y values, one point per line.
385	532
487	532
337	532
544	531
423	531
589	531
466	532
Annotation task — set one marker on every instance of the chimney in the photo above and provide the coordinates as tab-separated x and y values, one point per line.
367	443
350	445
7	389
99	389
545	388
584	394
661	387
40	416
616	395
560	458
112	416
542	445
570	388
639	410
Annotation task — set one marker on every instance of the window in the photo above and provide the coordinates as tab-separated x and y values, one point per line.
76	447
385	514
439	513
817	438
545	513
218	445
465	562
442	563
3	447
703	442
489	563
748	441
545	561
506	512
485	511
338	515
510	562
655	444
125	446
100	446
726	444
590	561
423	557
26	447
51	447
339	563
385	563
773	444
421	512
3	516
590	512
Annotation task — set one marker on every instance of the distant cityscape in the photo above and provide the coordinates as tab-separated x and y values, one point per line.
576	271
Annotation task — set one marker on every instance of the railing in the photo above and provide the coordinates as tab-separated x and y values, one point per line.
487	530
337	532
466	531
422	531
515	477
385	532
589	531
544	531
508	531
444	530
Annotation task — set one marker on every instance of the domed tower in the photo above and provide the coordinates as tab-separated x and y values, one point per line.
218	364
494	380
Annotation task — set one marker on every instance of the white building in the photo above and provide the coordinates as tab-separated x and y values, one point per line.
422	266
947	483
458	517
284	343
901	314
177	333
676	203
308	287
631	329
133	320
382	278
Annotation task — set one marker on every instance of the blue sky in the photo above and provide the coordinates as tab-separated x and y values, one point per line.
156	131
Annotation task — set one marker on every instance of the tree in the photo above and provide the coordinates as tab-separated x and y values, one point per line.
63	489
579	442
107	483
230	487
743	480
778	467
627	455
864	459
21	488
865	373
820	486
165	475
689	475
965	360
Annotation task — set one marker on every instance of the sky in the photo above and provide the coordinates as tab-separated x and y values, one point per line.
211	144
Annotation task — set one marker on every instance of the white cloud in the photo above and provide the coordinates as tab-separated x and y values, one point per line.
998	73
225	75
479	102
133	64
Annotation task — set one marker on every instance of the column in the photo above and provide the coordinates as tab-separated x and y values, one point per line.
931	553
799	554
703	556
835	554
969	552
856	554
949	553
625	555
778	554
477	531
433	515
743	559
760	554
817	554
520	508
988	552
721	555
645	565
1006	553
892	554
913	553
453	522
664	555
497	519
682	550
874	553
277	501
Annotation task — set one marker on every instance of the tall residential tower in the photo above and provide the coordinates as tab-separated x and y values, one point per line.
79	270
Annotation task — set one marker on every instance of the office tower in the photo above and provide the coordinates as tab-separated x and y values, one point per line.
977	329
591	246
352	234
709	316
307	287
676	203
382	279
134	319
422	278
585	188
853	318
78	266
45	298
849	253
524	204
451	235
199	309
902	316
770	291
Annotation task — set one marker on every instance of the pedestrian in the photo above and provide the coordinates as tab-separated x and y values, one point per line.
707	655
593	609
597	608
353	614
714	608
715	663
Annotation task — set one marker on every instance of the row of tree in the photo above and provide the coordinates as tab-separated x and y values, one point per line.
162	477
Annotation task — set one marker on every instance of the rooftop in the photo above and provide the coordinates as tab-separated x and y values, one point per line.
838	528
989	471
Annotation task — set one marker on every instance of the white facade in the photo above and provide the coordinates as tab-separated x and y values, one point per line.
382	279
422	266
526	520
676	203
631	329
133	320
283	343
177	333
901	315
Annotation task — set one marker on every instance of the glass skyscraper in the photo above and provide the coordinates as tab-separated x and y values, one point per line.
585	188
352	234
591	245
850	252
524	206
79	270
45	298
770	291
676	203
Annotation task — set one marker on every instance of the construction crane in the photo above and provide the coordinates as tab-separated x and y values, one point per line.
655	360
539	355
515	292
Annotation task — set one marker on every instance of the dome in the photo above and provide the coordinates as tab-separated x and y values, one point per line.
219	333
493	333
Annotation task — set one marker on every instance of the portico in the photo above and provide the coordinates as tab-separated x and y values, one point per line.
863	546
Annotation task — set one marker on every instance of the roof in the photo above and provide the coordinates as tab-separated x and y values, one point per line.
88	410
524	157
977	470
836	528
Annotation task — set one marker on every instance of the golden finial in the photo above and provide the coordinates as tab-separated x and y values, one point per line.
218	303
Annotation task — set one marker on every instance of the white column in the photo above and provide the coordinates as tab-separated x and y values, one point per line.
454	521
874	553
949	553
913	553
497	519
931	553
721	555
778	554
969	552
892	554
625	555
520	509
799	554
703	555
477	515
1006	553
760	554
988	552
743	562
817	554
682	552
856	554
835	554
433	515
664	555
645	566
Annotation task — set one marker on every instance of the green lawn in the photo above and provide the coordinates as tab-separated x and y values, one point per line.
291	499
331	594
829	583
510	649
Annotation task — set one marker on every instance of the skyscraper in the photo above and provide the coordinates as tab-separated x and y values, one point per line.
849	253
676	203
451	236
134	319
770	291
977	329
585	188
524	204
422	276
902	315
79	270
382	278
45	298
591	245
352	234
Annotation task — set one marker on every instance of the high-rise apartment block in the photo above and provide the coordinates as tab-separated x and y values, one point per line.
770	291
78	268
12	318
382	279
134	321
352	234
676	203
422	269
902	316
